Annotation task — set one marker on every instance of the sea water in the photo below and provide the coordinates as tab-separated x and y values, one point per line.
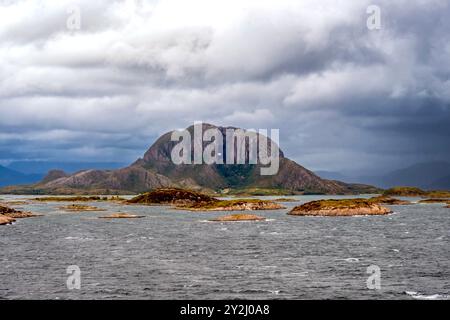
175	254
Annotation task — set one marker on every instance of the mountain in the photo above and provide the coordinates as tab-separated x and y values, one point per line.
427	175
441	183
11	177
42	167
156	170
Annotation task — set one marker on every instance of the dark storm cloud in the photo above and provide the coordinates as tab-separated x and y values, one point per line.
343	96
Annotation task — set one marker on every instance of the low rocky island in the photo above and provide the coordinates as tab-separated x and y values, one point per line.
171	196
341	207
285	200
238	217
80	207
416	192
234	205
121	216
14	203
439	194
434	201
405	192
389	201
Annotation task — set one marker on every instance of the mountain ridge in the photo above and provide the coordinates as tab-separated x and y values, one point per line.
432	175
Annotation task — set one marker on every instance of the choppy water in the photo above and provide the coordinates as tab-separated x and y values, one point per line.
172	254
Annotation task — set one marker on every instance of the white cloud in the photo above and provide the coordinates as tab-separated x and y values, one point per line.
139	68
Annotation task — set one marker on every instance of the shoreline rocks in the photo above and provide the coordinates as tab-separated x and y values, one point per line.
70	199
238	217
78	199
4	220
341	207
15	214
79	208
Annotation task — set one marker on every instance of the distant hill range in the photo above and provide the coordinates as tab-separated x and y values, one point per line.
156	170
9	177
43	167
428	175
27	172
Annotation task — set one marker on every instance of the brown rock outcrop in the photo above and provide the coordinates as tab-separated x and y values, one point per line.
342	207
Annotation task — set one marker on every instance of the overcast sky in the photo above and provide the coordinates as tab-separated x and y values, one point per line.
344	97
